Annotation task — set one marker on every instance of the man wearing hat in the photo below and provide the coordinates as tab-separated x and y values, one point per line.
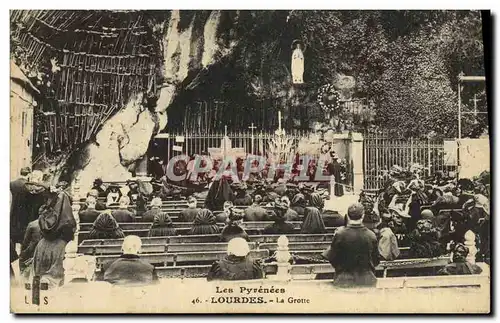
19	203
354	252
335	169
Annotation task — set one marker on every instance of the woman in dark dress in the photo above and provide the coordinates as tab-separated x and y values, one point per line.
233	228
237	265
280	225
162	226
313	223
105	227
204	223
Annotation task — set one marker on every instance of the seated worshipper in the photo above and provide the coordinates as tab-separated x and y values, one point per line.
418	198
464	191
48	261
313	223
280	187
222	217
98	186
99	206
372	218
291	190
387	242
330	218
444	202
123	214
90	213
298	204
400	215
290	215
460	265
32	236
280	225
188	215
162	226
137	194
242	197
130	269
113	195
237	265
255	212
233	228
155	209
424	241
271	195
204	223
105	227
354	252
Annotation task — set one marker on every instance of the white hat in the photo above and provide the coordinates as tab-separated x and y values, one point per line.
238	247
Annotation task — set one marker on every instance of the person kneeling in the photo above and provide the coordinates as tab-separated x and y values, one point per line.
237	265
130	269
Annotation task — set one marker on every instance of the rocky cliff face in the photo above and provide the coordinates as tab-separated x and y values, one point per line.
123	140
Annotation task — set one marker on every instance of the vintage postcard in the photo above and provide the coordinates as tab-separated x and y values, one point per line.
250	161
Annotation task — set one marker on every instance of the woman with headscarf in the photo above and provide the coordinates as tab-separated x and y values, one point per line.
57	227
280	225
105	227
26	205
204	223
242	197
237	265
155	209
460	265
387	242
424	241
233	229
313	223
162	226
330	218
298	204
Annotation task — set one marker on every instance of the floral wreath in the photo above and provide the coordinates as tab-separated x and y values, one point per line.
328	98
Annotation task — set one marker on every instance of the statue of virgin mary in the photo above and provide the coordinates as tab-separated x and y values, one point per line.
297	63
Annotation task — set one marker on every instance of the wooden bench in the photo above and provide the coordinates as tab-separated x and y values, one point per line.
83	235
307	269
179	257
256	225
157	248
212	238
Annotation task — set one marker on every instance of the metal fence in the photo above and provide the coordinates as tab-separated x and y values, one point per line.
382	151
195	143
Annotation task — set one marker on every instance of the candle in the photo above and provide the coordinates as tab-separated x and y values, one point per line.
279	120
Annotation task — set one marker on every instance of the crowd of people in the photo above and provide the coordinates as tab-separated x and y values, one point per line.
407	206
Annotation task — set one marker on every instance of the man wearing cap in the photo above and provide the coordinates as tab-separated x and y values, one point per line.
354	252
237	265
335	169
19	203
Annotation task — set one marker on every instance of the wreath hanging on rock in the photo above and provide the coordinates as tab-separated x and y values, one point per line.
328	98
